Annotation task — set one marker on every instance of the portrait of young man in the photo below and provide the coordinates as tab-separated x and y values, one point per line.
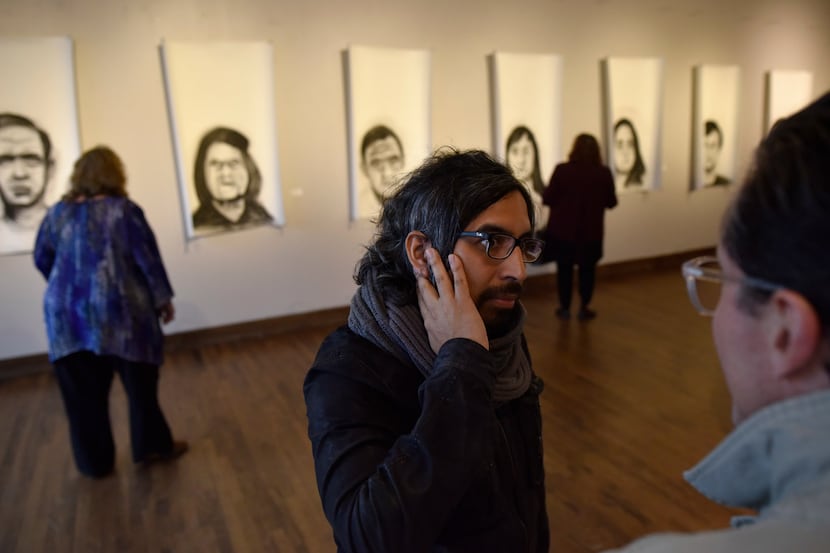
423	411
382	163
25	169
712	146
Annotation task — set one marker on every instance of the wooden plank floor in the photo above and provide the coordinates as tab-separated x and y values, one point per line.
631	400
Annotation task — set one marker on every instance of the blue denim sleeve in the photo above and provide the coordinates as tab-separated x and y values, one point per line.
143	244
44	248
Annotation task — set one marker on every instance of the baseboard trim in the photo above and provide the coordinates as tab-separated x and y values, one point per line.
23	366
545	283
256	329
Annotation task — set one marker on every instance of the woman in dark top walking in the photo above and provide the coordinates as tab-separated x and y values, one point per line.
106	291
579	192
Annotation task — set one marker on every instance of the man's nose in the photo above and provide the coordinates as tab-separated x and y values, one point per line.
19	169
387	170
514	265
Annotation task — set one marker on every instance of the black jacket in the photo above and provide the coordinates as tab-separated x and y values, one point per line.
407	464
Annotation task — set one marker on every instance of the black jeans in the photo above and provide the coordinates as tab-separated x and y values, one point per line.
85	380
585	257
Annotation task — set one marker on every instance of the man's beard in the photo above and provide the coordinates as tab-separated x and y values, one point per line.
504	319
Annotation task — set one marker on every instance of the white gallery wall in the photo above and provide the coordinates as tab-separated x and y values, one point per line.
307	265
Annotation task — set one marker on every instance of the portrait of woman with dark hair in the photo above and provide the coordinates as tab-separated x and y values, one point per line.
522	157
227	182
629	168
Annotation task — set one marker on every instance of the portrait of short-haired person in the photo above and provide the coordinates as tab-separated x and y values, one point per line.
712	146
522	156
227	182
26	166
382	162
629	168
423	411
771	328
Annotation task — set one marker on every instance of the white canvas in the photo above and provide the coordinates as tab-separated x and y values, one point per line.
787	92
527	105
634	94
388	98
716	90
40	86
227	86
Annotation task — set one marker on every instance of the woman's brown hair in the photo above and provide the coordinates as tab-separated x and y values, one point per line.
97	172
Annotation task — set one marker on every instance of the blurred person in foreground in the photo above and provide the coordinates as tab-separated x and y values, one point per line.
106	291
771	327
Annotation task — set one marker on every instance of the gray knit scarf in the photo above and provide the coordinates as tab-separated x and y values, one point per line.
400	331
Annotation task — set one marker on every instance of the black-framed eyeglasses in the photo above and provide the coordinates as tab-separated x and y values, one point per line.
499	245
704	276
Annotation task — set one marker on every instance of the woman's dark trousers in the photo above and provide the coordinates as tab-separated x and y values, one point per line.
85	380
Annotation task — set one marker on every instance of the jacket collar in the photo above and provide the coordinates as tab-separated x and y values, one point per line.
781	450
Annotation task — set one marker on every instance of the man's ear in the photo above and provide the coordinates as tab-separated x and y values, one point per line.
794	332
416	244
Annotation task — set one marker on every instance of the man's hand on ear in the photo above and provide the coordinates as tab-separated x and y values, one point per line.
447	308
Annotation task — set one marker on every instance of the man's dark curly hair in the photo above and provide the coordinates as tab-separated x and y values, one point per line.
441	197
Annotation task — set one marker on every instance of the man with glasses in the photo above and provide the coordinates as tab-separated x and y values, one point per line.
423	411
771	325
25	168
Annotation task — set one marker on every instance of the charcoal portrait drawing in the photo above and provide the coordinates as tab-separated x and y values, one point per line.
522	156
25	169
712	146
628	161
381	161
227	182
